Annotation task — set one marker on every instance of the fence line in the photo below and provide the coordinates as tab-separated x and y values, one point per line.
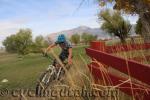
137	70
98	51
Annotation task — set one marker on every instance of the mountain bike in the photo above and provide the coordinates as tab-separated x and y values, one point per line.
54	72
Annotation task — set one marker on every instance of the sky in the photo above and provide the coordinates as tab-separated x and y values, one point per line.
48	16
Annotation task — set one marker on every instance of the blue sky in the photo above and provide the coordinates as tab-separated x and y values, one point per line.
47	16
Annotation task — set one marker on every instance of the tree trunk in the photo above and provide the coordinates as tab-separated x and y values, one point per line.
146	27
122	39
143	10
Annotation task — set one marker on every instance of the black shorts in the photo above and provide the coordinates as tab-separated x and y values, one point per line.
63	56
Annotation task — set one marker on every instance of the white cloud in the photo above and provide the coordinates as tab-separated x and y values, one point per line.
10	27
7	27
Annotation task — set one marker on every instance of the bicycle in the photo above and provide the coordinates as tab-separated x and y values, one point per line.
54	72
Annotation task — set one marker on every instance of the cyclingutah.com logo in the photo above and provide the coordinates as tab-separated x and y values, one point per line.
63	92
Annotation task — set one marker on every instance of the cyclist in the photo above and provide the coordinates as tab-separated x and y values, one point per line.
66	47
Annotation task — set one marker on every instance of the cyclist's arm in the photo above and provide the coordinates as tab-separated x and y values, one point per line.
70	56
49	47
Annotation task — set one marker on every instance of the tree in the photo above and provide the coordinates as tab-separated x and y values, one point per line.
10	44
115	24
75	38
39	40
87	38
140	7
19	43
39	43
138	27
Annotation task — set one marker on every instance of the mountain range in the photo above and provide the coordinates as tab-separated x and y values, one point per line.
84	29
80	30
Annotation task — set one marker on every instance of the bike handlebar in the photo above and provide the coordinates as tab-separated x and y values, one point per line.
49	57
52	59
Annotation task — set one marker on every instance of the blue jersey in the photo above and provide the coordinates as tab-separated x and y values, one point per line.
65	49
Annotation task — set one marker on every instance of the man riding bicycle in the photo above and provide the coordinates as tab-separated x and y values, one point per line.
66	47
54	71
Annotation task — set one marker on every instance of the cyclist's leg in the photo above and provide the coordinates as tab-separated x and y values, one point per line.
62	56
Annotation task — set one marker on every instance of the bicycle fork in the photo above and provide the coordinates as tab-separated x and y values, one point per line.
59	72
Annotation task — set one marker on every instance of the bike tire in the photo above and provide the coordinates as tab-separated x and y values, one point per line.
42	86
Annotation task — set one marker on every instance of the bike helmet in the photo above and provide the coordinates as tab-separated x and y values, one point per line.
61	38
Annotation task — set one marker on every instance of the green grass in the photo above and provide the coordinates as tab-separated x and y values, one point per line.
21	73
137	40
24	72
130	54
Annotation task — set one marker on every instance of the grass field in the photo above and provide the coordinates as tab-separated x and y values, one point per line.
137	40
23	72
130	54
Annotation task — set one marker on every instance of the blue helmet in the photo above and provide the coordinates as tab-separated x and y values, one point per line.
61	38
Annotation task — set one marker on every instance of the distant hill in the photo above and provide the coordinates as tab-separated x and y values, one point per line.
84	29
80	30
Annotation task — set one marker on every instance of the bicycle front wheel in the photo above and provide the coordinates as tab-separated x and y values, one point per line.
44	81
